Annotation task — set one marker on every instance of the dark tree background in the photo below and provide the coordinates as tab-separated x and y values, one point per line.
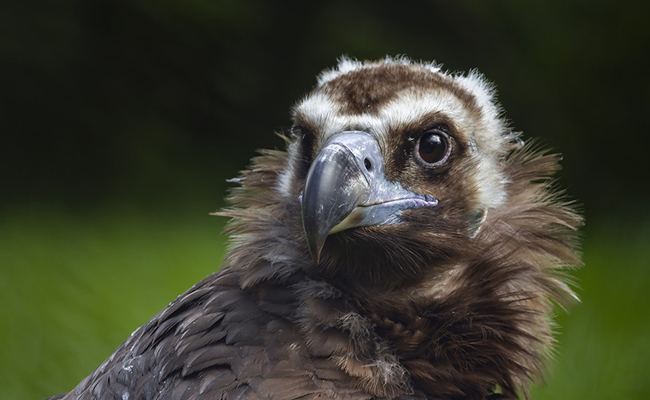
140	100
148	106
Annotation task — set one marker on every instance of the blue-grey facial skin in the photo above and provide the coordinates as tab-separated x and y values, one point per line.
346	188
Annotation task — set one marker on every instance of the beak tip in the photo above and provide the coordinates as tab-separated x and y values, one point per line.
315	247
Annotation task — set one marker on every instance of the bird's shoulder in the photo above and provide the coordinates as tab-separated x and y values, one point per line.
218	340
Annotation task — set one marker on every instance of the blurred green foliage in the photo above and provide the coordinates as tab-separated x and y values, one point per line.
122	119
75	287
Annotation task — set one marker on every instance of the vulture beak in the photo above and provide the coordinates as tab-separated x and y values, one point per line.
346	188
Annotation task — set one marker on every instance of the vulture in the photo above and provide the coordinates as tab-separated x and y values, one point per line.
407	244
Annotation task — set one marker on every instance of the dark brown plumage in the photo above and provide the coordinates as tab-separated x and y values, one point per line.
405	246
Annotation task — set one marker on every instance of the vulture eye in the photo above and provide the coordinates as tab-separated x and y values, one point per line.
433	148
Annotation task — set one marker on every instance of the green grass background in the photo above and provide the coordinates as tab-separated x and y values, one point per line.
75	285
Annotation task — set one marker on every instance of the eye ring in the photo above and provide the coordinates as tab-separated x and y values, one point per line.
433	148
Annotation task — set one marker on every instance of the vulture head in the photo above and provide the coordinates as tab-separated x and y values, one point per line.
419	225
406	245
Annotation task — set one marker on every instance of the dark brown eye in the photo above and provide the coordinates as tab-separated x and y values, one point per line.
433	148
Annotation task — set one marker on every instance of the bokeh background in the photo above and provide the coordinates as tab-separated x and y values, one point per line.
121	119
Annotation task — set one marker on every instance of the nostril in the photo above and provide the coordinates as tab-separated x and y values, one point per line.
367	164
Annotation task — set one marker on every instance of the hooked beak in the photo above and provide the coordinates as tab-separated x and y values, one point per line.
346	188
